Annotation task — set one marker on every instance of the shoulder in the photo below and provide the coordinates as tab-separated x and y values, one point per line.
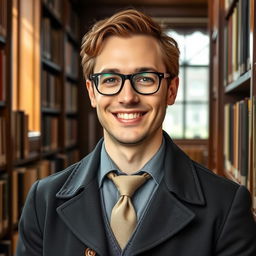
53	183
219	189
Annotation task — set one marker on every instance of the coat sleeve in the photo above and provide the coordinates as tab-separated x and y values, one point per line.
238	235
30	242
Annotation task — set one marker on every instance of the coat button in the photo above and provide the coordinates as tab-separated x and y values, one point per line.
89	252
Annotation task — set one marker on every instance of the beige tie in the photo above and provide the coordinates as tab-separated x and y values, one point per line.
123	217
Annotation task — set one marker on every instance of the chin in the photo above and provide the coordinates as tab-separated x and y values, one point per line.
128	140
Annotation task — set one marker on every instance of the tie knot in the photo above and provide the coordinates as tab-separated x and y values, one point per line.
128	184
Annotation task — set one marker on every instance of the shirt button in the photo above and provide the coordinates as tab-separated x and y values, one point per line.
89	252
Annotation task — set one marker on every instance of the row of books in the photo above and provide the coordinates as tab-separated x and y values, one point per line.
72	23
253	172
24	177
237	43
71	131
51	94
236	143
71	59
55	6
2	141
71	96
73	156
51	42
21	138
50	129
3	205
2	74
3	17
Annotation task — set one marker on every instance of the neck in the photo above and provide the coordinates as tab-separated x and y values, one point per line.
131	158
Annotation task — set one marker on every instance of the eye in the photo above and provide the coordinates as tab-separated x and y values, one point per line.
109	79
145	79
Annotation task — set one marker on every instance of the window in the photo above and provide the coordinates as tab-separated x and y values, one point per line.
188	117
26	60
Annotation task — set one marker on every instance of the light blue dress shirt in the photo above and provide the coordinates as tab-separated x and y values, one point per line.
141	198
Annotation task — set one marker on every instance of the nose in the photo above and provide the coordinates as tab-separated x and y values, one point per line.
128	95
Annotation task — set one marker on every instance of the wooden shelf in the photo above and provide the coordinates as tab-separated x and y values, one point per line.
71	113
242	84
53	16
51	65
51	111
72	37
71	147
2	169
50	153
71	78
32	158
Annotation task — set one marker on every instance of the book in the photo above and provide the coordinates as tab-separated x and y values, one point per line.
50	133
3	18
2	75
237	42
254	152
21	142
51	41
71	97
236	140
2	141
51	95
71	132
4	209
71	59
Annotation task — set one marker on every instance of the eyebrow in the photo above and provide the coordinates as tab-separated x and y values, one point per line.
137	70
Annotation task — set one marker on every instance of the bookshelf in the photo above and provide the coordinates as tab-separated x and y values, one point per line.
27	154
233	91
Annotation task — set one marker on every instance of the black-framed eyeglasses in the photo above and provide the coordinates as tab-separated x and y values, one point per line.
144	83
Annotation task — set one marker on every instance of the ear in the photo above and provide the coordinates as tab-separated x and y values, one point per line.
172	91
90	89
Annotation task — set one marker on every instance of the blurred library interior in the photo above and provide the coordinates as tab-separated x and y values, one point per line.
46	120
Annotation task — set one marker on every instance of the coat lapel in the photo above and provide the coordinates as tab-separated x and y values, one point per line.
82	211
167	214
165	217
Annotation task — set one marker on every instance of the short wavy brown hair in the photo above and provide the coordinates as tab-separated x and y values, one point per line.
124	24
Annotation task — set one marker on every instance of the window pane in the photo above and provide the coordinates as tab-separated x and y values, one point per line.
196	121
173	123
197	84
197	45
180	95
180	39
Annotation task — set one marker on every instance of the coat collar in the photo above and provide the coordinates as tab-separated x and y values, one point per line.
180	175
82	212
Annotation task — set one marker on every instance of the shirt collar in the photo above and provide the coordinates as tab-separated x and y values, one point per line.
154	166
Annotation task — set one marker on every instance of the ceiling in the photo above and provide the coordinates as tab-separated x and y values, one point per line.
147	2
92	10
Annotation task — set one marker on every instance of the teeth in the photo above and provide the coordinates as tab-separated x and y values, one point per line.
128	116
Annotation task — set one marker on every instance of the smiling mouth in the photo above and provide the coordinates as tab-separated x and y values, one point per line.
129	116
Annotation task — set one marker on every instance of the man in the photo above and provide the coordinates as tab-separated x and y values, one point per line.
137	193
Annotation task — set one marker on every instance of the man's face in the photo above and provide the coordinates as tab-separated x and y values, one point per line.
128	117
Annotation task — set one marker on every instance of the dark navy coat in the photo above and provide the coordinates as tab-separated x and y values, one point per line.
193	213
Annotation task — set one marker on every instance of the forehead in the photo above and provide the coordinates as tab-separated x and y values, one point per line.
129	53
